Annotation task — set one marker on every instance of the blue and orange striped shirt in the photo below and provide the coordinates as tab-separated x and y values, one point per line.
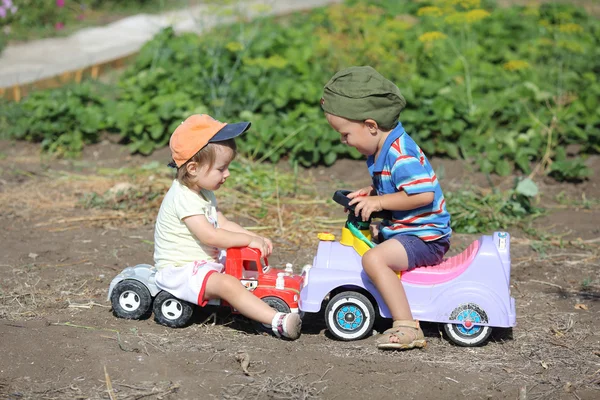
401	165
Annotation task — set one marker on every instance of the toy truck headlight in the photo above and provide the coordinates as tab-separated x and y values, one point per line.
305	273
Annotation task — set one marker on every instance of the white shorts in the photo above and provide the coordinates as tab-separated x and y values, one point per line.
188	281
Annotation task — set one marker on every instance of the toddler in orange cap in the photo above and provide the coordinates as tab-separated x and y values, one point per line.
190	230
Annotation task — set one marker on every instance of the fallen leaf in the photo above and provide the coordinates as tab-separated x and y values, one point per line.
544	364
568	387
581	307
557	332
244	360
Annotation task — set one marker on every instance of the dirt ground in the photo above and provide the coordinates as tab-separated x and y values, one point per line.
59	339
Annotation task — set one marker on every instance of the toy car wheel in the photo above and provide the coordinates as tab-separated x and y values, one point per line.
171	311
349	316
468	333
277	303
131	299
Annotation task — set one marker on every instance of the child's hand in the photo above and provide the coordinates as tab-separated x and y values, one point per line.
259	243
366	191
366	205
269	246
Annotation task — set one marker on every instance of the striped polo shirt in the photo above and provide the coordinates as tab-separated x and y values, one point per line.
401	165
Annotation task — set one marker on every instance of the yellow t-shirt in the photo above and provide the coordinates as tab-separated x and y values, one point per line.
174	244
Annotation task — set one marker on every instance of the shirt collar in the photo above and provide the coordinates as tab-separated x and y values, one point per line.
377	165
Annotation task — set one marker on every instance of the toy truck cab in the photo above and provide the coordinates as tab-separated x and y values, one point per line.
280	289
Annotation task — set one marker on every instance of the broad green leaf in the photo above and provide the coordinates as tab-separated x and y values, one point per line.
527	188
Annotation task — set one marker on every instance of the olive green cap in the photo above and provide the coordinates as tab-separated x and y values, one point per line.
361	93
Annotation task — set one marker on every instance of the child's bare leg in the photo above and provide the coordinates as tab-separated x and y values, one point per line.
381	264
230	289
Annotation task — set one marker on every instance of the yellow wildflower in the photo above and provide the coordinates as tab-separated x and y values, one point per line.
432	36
395	27
516	65
570	28
455	18
571	46
532	11
430	11
476	15
234	46
544	22
276	62
464	3
467	4
273	62
564	16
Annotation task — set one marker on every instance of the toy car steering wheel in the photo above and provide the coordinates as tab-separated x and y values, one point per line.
341	197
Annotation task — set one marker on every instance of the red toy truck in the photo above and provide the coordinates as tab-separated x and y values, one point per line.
134	294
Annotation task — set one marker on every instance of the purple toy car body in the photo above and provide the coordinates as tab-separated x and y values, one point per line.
469	293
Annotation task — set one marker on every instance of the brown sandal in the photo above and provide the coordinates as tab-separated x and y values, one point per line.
402	335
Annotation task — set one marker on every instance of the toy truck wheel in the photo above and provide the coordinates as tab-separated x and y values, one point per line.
171	311
131	299
277	303
349	316
468	333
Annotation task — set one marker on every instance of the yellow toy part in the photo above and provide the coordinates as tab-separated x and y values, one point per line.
326	236
348	239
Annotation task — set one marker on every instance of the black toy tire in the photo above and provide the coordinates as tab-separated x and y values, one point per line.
131	299
171	311
351	308
277	304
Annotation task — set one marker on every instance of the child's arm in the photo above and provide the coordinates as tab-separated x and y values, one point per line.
206	233
233	227
402	201
399	201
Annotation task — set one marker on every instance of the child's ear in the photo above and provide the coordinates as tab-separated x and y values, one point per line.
192	168
371	124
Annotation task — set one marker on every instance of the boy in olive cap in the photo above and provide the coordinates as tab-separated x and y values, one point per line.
364	107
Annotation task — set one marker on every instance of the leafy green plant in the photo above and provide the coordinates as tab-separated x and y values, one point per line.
475	210
506	87
63	120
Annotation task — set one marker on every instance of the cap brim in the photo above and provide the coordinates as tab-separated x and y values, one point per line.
230	131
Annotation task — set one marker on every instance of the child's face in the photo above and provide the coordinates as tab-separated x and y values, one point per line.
357	134
211	178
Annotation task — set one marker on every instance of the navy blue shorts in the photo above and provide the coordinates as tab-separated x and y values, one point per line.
421	253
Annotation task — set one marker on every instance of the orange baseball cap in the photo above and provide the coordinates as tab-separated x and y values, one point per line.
197	131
